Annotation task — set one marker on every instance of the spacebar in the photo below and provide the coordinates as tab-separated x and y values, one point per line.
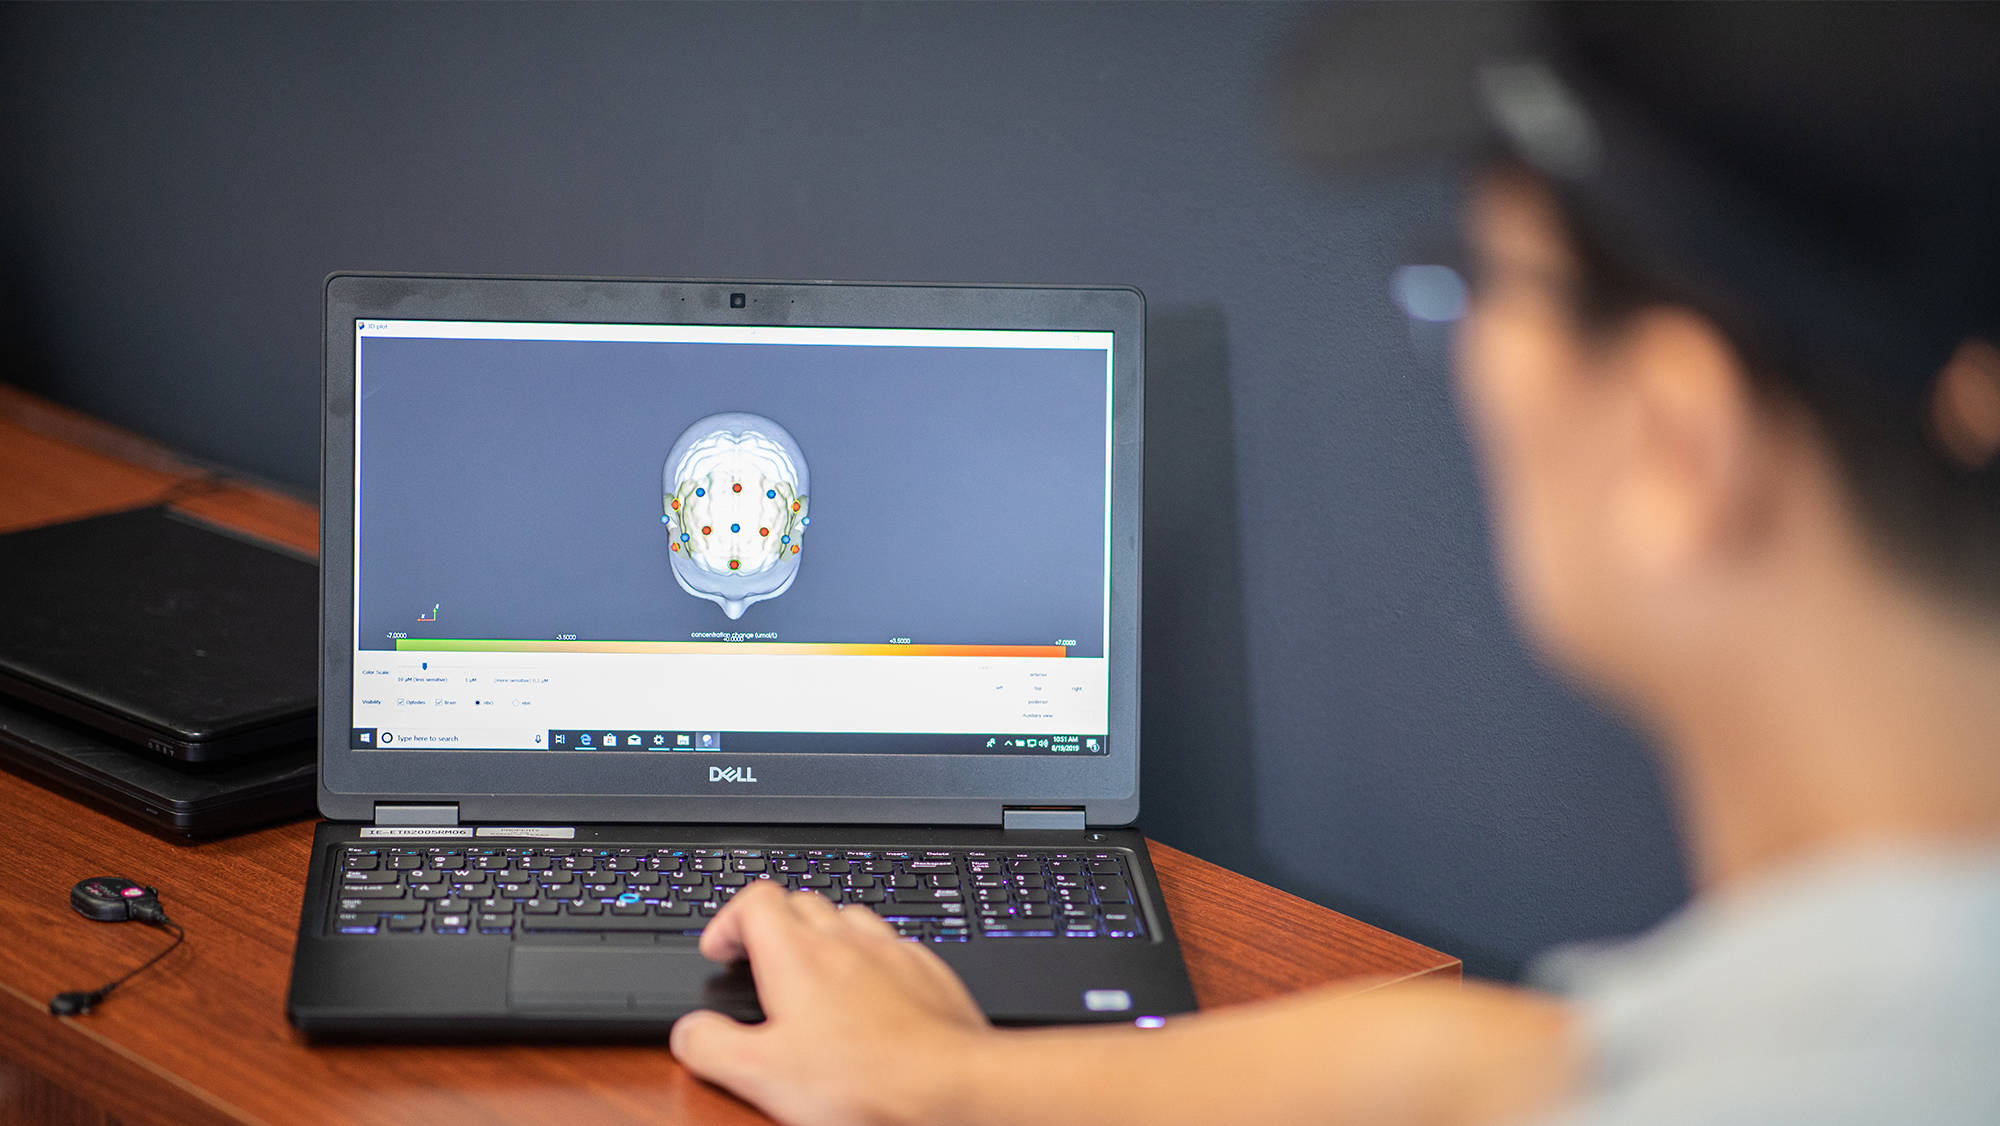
531	924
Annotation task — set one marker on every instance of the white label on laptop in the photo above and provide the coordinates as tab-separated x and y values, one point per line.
390	831
540	832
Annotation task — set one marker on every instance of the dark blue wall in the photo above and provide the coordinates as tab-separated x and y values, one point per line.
1334	700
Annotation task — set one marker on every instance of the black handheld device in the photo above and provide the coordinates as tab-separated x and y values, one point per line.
114	899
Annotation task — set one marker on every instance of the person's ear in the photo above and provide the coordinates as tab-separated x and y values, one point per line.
1686	485
1965	405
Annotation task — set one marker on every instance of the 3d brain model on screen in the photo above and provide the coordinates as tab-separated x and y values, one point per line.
735	509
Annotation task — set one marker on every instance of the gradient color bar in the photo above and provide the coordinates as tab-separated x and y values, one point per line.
759	648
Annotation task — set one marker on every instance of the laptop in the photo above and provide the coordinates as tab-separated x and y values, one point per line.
156	794
186	640
636	592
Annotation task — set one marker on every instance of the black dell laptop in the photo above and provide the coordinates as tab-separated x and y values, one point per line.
636	592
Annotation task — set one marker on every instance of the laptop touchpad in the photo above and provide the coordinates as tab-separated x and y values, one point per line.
658	979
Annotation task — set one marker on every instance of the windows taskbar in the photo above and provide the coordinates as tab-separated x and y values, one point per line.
653	740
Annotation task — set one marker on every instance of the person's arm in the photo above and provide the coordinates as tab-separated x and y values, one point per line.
864	1028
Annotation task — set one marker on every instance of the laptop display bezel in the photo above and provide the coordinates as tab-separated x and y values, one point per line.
846	788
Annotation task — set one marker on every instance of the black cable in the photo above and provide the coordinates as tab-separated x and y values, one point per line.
180	936
80	1001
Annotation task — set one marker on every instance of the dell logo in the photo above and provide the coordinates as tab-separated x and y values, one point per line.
731	774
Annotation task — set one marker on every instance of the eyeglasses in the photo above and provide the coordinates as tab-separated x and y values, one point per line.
1445	275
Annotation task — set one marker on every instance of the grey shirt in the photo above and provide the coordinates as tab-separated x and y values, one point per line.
1855	989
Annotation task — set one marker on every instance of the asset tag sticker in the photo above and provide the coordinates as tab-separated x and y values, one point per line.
412	831
537	832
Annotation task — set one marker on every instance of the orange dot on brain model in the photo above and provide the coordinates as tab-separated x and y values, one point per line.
795	506
733	564
795	549
737	487
763	531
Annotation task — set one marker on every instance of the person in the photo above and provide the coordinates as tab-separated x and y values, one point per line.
1729	362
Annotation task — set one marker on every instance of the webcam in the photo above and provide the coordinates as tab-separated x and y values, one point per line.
736	301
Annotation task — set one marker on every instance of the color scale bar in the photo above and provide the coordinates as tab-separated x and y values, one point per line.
745	648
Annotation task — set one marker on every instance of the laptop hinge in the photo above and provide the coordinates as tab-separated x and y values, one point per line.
1041	817
392	813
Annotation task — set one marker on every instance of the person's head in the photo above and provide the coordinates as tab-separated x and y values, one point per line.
1733	340
1658	486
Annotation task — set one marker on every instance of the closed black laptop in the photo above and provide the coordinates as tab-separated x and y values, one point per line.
162	631
636	592
160	795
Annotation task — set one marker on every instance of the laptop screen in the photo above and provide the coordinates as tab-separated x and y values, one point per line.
644	540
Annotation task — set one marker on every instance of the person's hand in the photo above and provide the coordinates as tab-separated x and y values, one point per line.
860	1026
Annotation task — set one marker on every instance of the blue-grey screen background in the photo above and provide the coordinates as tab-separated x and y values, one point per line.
957	493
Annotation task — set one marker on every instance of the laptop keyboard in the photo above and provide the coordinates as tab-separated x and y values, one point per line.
928	895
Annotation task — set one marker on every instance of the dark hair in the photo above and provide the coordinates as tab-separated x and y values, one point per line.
1935	520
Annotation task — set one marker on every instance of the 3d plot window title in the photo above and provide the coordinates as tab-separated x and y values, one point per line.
660	539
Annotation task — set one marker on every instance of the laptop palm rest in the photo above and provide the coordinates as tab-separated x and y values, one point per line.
649	978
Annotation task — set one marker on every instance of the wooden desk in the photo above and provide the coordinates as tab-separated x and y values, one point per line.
203	1038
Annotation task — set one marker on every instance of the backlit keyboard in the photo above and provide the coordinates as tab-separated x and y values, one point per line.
934	895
